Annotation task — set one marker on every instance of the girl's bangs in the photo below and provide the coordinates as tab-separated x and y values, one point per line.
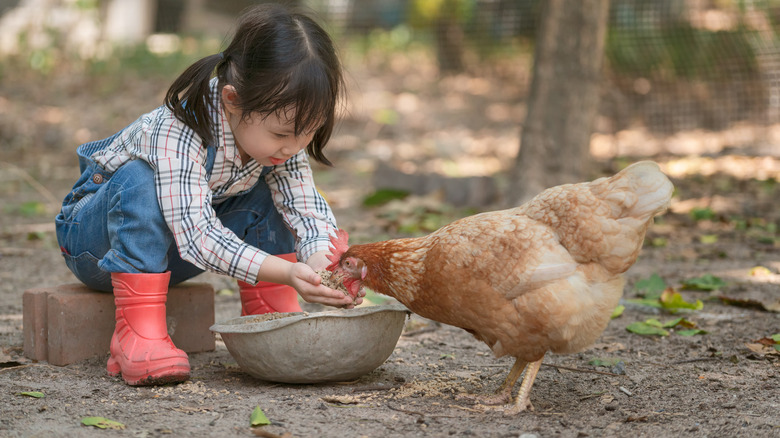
308	95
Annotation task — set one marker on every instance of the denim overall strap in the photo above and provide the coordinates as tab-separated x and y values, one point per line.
211	155
86	150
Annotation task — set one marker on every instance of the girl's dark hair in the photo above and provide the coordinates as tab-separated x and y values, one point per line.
279	60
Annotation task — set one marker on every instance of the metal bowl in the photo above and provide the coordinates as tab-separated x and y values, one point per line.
337	345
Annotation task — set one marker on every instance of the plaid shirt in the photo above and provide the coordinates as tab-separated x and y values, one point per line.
186	196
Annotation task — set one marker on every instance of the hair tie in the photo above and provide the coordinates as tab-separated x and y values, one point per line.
221	55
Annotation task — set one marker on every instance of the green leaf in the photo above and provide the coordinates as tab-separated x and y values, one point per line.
646	302
705	282
681	322
691	332
383	196
652	286
643	328
32	208
618	311
759	271
659	242
258	418
701	214
102	423
674	302
775	337
708	239
374	298
386	116
36	394
607	362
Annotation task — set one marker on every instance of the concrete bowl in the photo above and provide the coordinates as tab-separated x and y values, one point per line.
301	347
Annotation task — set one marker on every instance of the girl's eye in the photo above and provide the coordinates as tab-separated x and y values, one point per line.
281	135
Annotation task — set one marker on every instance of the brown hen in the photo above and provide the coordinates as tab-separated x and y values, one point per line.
544	276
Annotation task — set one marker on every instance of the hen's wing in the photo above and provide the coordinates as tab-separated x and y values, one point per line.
504	250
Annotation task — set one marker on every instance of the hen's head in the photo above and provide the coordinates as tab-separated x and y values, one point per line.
351	269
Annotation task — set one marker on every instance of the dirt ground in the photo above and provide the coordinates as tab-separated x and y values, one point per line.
718	384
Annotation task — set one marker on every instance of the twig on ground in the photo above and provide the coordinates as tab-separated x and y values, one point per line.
376	388
406	411
15	367
698	359
420	331
580	370
53	202
266	434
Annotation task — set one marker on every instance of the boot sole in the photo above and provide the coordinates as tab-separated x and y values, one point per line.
173	373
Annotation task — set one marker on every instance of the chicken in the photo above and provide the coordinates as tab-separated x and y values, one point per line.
544	276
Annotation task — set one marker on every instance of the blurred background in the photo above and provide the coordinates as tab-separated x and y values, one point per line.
439	94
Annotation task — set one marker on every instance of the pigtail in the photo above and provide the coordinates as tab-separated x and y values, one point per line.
189	100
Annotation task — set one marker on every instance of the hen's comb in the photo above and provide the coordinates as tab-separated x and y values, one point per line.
338	246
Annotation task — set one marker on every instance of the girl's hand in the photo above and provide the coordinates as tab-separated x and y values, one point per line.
319	261
304	280
309	285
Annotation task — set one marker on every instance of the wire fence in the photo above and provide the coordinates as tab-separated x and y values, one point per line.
671	66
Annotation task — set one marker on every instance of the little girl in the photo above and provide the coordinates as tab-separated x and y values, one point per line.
216	179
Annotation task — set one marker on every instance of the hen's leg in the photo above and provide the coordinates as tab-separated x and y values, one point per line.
522	401
503	394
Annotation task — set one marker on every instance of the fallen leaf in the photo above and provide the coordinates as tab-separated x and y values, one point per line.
258	418
705	282
681	322
383	196
691	332
674	302
102	423
35	394
702	213
341	399
741	302
643	328
607	362
759	271
762	349
618	311
708	239
651	286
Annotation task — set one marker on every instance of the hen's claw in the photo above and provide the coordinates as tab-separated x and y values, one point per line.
504	393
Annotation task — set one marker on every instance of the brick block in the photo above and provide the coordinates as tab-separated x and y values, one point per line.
69	323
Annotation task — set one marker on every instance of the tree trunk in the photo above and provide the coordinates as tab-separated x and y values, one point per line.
449	39
564	98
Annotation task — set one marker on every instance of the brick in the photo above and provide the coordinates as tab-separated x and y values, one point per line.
69	323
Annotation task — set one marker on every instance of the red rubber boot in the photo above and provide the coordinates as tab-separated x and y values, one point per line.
269	297
141	349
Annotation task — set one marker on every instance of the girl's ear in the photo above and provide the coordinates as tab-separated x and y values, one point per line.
230	100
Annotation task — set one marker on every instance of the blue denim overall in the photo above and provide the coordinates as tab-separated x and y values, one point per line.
113	222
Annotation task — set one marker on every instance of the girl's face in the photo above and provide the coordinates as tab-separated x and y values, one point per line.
271	140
